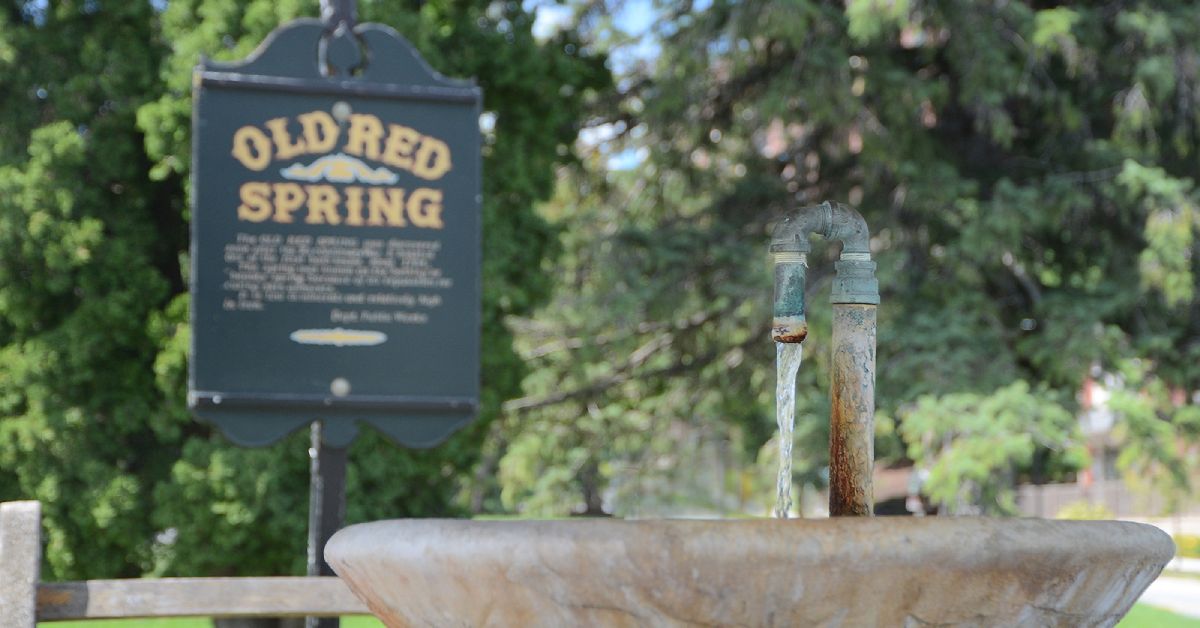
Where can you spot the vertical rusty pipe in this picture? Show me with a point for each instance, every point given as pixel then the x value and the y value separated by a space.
pixel 852 420
pixel 855 296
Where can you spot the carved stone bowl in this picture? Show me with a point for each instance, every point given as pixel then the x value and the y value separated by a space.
pixel 826 572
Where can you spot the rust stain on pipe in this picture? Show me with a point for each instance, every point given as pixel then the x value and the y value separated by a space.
pixel 789 329
pixel 852 429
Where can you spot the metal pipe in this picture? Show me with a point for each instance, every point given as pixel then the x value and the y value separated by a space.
pixel 833 221
pixel 852 417
pixel 855 297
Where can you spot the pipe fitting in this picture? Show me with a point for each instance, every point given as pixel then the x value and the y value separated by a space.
pixel 847 225
pixel 832 221
pixel 791 234
pixel 855 282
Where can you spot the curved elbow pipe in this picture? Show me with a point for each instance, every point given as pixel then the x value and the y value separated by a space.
pixel 855 281
pixel 847 225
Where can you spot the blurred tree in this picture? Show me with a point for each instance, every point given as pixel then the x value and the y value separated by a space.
pixel 1027 173
pixel 89 251
pixel 1157 435
pixel 972 444
pixel 94 158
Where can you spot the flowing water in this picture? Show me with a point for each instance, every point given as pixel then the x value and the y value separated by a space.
pixel 787 365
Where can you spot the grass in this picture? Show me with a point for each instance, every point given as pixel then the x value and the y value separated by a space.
pixel 1143 616
pixel 189 622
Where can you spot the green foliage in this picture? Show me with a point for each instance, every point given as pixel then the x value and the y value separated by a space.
pixel 973 444
pixel 94 160
pixel 84 262
pixel 1171 224
pixel 1052 30
pixel 1027 172
pixel 868 19
pixel 1156 435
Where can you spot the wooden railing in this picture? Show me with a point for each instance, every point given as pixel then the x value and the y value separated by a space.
pixel 24 600
pixel 1046 500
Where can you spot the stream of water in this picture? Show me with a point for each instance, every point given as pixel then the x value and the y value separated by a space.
pixel 787 365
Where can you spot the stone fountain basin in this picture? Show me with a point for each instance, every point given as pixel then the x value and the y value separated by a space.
pixel 824 572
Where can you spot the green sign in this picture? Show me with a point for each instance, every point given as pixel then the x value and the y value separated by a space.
pixel 335 240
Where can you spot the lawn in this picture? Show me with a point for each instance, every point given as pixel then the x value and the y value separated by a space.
pixel 1143 616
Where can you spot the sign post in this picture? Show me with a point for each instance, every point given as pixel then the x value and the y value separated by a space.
pixel 326 507
pixel 335 246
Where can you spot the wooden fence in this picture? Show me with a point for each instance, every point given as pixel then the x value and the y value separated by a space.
pixel 1046 500
pixel 25 600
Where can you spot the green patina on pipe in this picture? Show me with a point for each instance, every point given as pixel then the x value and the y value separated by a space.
pixel 855 282
pixel 789 324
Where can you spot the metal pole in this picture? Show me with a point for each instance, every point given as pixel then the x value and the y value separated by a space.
pixel 326 509
pixel 852 423
pixel 327 473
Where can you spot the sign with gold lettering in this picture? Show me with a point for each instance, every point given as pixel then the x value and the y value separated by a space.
pixel 335 240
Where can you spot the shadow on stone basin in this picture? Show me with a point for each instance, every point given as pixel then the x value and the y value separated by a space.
pixel 825 572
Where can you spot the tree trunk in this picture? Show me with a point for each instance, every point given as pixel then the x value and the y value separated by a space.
pixel 589 478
